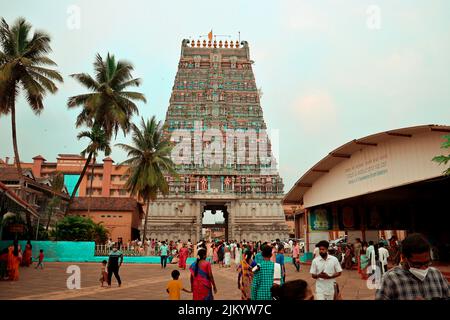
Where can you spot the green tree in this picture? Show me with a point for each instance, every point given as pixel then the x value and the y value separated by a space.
pixel 444 159
pixel 148 160
pixel 57 183
pixel 98 142
pixel 75 228
pixel 109 105
pixel 23 67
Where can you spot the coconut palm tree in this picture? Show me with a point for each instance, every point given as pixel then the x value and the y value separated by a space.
pixel 57 183
pixel 99 142
pixel 24 65
pixel 109 105
pixel 148 161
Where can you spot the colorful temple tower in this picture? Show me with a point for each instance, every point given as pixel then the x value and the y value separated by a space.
pixel 223 153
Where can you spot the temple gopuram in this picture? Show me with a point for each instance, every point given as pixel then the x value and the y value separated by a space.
pixel 222 151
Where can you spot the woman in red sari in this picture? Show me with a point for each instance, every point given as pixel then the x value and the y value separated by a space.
pixel 27 255
pixel 202 280
pixel 13 263
pixel 183 255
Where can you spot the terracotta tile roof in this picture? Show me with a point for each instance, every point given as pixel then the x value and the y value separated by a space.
pixel 106 204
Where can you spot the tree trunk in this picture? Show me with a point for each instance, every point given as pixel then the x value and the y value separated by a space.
pixel 145 222
pixel 17 160
pixel 90 192
pixel 50 215
pixel 78 182
pixel 14 137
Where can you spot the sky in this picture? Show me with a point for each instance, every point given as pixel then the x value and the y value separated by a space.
pixel 330 71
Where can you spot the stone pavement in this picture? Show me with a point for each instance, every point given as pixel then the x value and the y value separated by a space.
pixel 146 282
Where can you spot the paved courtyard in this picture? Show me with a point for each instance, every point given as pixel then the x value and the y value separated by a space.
pixel 145 282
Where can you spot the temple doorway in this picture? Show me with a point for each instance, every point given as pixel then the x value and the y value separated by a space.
pixel 215 222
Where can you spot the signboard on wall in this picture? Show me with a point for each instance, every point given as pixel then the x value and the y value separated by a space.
pixel 321 219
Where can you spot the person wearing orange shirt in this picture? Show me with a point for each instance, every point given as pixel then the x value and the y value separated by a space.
pixel 175 286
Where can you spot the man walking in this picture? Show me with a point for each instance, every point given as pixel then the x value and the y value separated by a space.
pixel 325 269
pixel 263 278
pixel 414 279
pixel 384 255
pixel 164 249
pixel 114 263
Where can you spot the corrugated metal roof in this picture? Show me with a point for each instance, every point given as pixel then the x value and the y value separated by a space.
pixel 295 195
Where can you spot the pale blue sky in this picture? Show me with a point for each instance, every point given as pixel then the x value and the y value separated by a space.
pixel 326 76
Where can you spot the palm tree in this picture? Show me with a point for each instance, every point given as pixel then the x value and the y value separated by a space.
pixel 23 61
pixel 109 105
pixel 148 160
pixel 99 142
pixel 57 184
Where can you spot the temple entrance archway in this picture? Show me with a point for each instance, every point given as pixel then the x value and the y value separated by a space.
pixel 214 222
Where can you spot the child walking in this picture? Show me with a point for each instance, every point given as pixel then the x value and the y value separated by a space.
pixel 104 273
pixel 175 286
pixel 41 259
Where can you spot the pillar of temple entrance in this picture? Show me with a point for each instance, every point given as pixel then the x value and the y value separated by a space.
pixel 230 222
pixel 198 222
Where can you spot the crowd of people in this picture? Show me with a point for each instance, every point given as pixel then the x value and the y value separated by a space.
pixel 12 258
pixel 262 271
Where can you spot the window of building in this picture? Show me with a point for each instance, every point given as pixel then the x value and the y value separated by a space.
pixel 122 192
pixel 102 216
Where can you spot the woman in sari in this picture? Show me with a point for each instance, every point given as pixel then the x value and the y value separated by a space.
pixel 348 263
pixel 184 252
pixel 202 280
pixel 27 255
pixel 13 263
pixel 364 264
pixel 245 276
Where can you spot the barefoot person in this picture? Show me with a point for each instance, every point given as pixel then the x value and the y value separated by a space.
pixel 202 280
pixel 245 277
pixel 183 255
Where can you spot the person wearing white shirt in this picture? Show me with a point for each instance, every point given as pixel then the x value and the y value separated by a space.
pixel 384 255
pixel 325 269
